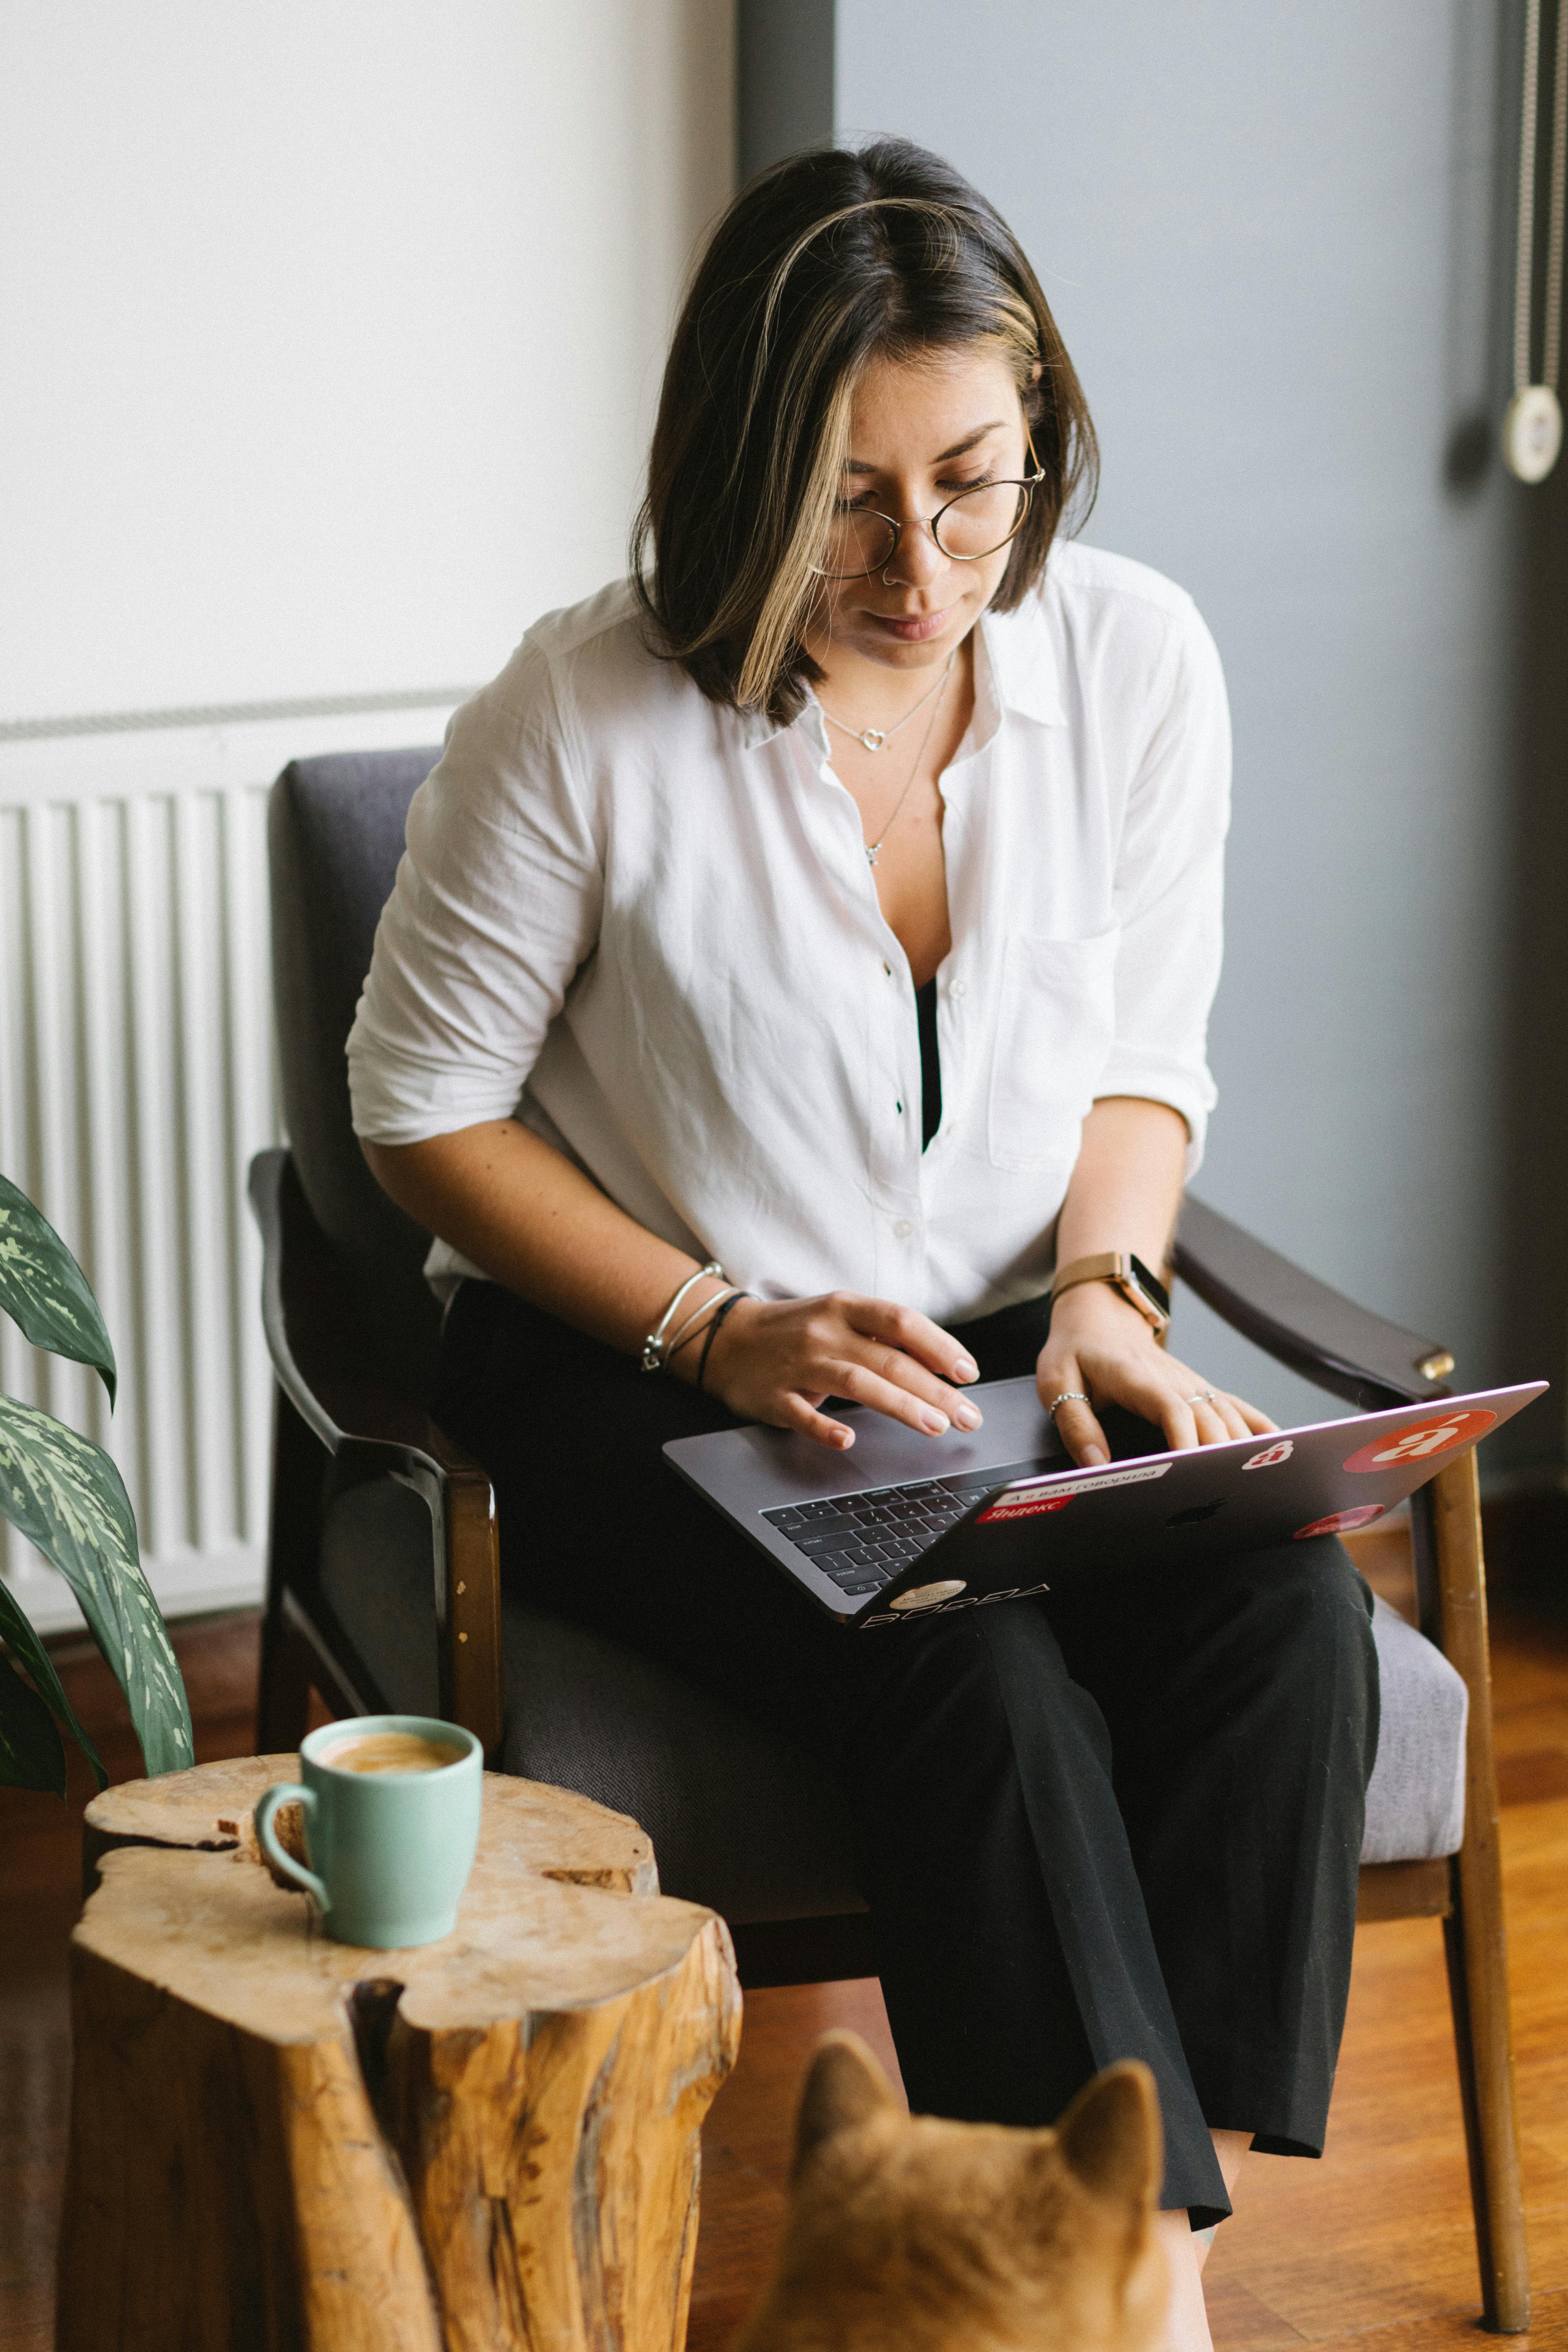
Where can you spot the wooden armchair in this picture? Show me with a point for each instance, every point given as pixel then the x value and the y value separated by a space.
pixel 384 1589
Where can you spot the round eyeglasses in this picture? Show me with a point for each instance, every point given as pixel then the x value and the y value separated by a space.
pixel 972 525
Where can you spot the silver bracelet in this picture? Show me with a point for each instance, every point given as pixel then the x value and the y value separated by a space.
pixel 655 1347
pixel 693 1323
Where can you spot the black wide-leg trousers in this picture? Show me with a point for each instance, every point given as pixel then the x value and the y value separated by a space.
pixel 1122 1819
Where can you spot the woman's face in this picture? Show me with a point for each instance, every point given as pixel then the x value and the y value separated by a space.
pixel 921 431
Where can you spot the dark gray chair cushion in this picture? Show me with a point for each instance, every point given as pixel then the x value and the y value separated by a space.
pixel 334 837
pixel 739 1821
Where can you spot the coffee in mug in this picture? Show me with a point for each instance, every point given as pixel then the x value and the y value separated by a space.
pixel 391 1751
pixel 392 1809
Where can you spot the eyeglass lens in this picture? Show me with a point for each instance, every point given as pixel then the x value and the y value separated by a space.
pixel 975 523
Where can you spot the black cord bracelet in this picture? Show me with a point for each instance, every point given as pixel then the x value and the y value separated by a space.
pixel 733 1300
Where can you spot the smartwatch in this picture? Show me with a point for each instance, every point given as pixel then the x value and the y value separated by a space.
pixel 1125 1273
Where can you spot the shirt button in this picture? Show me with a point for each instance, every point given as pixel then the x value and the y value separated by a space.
pixel 903 1229
pixel 959 988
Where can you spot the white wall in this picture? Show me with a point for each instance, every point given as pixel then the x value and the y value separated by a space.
pixel 329 338
pixel 329 331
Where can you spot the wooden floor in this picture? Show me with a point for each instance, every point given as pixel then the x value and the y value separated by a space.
pixel 1374 2243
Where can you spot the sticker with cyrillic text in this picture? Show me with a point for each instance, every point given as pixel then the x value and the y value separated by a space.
pixel 1270 1457
pixel 1422 1441
pixel 1032 1502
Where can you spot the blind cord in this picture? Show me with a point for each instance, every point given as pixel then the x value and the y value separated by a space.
pixel 1532 427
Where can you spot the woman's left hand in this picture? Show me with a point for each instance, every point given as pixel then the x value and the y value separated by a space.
pixel 1101 1345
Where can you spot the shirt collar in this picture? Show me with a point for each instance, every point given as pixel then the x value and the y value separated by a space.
pixel 1023 670
pixel 1024 663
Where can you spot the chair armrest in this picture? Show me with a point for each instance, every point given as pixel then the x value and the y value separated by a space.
pixel 324 1366
pixel 1300 1321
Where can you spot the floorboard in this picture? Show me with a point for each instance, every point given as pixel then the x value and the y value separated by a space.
pixel 1374 2243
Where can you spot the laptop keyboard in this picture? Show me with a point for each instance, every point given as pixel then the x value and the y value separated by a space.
pixel 863 1541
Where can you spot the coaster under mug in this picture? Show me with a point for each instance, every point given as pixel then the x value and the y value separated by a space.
pixel 391 1830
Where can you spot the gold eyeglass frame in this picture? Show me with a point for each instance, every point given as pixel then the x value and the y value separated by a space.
pixel 1029 484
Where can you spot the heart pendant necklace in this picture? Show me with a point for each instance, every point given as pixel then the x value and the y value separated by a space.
pixel 873 847
pixel 873 737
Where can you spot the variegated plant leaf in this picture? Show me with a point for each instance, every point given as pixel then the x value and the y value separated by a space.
pixel 45 1291
pixel 31 1756
pixel 67 1496
pixel 31 1654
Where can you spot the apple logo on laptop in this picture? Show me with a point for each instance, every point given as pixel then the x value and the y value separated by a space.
pixel 1199 1511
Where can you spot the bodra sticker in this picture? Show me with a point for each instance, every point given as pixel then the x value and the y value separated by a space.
pixel 1341 1523
pixel 1270 1457
pixel 1422 1441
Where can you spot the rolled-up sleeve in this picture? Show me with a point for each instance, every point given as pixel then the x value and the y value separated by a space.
pixel 1169 891
pixel 496 905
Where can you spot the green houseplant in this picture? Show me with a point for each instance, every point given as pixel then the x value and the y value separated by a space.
pixel 67 1496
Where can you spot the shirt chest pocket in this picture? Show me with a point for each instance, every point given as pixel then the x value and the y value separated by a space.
pixel 1055 1029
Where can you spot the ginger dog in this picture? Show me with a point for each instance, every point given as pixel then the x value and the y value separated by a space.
pixel 908 2234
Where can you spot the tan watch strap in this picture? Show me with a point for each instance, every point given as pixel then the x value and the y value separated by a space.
pixel 1118 1267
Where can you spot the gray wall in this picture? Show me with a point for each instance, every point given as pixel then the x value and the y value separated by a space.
pixel 1278 241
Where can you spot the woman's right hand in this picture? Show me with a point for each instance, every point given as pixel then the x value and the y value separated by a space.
pixel 777 1361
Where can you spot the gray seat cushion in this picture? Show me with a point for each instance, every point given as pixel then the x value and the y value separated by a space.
pixel 1415 1803
pixel 741 1821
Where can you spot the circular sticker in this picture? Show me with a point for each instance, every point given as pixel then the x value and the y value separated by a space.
pixel 927 1596
pixel 1339 1523
pixel 1422 1441
pixel 1270 1456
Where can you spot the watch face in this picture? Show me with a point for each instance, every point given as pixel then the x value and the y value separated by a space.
pixel 1158 1294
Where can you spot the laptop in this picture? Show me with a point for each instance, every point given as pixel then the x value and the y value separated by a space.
pixel 908 1526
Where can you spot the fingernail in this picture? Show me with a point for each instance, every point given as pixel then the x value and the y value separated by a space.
pixel 965 1370
pixel 843 1438
pixel 935 1422
pixel 966 1416
pixel 1093 1455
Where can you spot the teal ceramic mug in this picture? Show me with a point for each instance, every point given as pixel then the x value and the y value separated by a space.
pixel 392 1818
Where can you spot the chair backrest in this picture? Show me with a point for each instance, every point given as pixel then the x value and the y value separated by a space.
pixel 334 836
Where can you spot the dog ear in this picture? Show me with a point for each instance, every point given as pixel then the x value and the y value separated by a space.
pixel 845 2087
pixel 1110 2136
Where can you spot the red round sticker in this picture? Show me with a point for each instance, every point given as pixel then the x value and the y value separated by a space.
pixel 1422 1442
pixel 1339 1523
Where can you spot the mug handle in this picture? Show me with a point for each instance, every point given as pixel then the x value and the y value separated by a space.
pixel 288 1792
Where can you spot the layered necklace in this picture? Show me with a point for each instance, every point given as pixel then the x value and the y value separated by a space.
pixel 873 737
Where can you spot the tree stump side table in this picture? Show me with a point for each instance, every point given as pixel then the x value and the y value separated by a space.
pixel 283 2144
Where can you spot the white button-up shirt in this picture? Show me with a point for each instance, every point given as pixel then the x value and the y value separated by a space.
pixel 646 927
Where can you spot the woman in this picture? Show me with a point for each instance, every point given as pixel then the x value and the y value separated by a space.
pixel 840 902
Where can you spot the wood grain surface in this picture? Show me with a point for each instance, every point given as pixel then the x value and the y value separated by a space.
pixel 1372 2244
pixel 278 2139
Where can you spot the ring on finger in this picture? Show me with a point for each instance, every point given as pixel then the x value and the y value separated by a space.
pixel 1068 1396
pixel 1204 1396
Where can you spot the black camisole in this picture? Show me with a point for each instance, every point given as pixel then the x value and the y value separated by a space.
pixel 931 1063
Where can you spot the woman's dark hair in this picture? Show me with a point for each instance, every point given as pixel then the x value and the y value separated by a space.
pixel 827 262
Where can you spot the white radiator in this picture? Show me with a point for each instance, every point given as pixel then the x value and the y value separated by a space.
pixel 136 1080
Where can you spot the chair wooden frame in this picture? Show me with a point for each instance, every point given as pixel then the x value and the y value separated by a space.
pixel 338 1424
